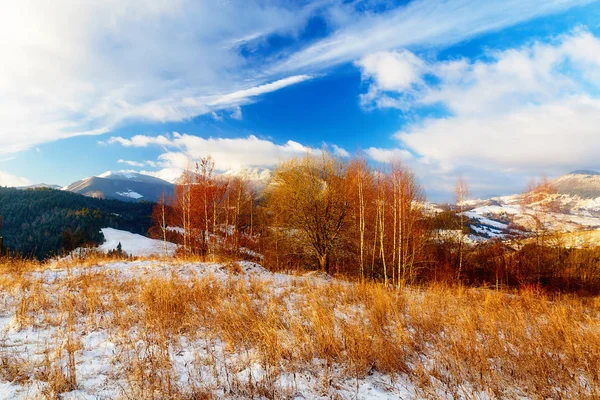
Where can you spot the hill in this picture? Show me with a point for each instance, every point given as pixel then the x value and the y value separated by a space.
pixel 124 186
pixel 39 186
pixel 42 222
pixel 585 184
pixel 574 207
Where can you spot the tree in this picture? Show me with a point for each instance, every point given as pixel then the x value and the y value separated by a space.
pixel 409 232
pixel 1 239
pixel 461 192
pixel 160 220
pixel 360 181
pixel 537 203
pixel 182 203
pixel 308 196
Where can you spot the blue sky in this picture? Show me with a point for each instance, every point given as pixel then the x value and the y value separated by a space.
pixel 496 91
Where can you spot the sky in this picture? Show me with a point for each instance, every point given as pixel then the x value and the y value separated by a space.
pixel 496 91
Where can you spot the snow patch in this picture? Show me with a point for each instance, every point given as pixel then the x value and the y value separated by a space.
pixel 131 194
pixel 134 244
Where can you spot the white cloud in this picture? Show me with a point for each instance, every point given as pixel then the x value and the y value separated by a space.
pixel 10 180
pixel 132 163
pixel 243 96
pixel 83 68
pixel 528 110
pixel 183 149
pixel 419 23
pixel 216 116
pixel 236 113
pixel 340 152
pixel 396 70
pixel 141 140
pixel 388 155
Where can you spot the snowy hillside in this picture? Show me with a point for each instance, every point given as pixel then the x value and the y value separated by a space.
pixel 499 217
pixel 134 244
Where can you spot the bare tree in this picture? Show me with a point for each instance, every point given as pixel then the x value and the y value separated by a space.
pixel 160 222
pixel 183 205
pixel 537 203
pixel 461 192
pixel 360 178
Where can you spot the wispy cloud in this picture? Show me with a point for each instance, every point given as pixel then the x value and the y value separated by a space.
pixel 132 163
pixel 83 68
pixel 417 24
pixel 242 96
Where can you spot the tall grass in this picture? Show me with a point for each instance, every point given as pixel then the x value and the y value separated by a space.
pixel 255 338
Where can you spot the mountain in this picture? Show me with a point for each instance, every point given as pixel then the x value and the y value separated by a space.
pixel 582 183
pixel 258 177
pixel 574 207
pixel 122 185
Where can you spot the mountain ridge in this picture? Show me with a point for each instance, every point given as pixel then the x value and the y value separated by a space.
pixel 122 185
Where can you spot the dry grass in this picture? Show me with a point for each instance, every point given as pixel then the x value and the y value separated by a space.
pixel 254 338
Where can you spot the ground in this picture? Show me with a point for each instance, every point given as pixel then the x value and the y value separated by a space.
pixel 165 328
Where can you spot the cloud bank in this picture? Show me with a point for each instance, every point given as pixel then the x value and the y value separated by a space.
pixel 529 110
pixel 182 150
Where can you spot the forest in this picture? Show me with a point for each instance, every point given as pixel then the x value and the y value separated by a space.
pixel 45 222
pixel 340 216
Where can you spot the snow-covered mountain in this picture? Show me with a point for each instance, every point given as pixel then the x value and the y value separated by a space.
pixel 122 185
pixel 575 207
pixel 259 177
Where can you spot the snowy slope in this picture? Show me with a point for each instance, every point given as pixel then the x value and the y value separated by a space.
pixel 134 244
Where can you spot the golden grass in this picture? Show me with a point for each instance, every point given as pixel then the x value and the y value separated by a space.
pixel 444 341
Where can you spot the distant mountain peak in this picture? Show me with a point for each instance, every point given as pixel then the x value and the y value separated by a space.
pixel 251 173
pixel 130 176
pixel 583 172
pixel 117 174
pixel 122 185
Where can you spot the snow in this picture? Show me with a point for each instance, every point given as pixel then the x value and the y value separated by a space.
pixel 101 353
pixel 486 221
pixel 131 194
pixel 119 174
pixel 134 244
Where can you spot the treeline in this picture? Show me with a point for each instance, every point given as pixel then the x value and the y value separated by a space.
pixel 343 216
pixel 45 222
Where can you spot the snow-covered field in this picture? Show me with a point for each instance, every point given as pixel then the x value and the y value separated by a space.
pixel 134 244
pixel 156 329
pixel 103 353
